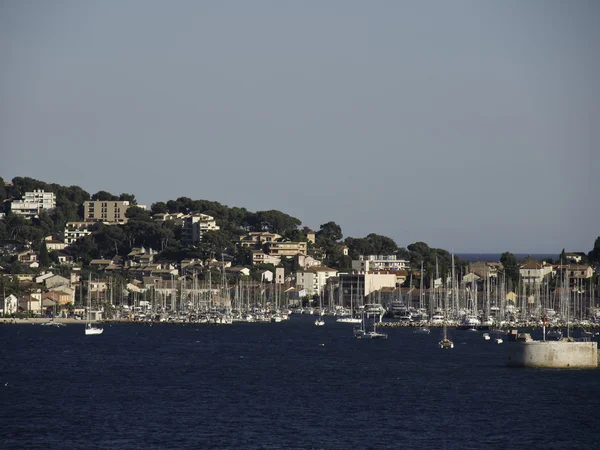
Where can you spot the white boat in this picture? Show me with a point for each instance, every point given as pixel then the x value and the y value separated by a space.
pixel 348 319
pixel 422 330
pixel 374 335
pixel 91 329
pixel 498 340
pixel 52 323
pixel 486 336
pixel 374 310
pixel 446 343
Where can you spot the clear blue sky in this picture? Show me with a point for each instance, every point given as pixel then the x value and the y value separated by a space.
pixel 471 125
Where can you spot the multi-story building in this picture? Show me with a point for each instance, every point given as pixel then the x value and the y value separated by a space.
pixel 485 269
pixel 574 274
pixel 286 248
pixel 356 286
pixel 535 272
pixel 379 262
pixel 194 226
pixel 314 280
pixel 76 230
pixel 112 211
pixel 260 257
pixel 256 239
pixel 33 202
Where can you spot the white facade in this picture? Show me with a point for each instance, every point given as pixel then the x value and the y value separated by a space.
pixel 379 262
pixel 76 230
pixel 195 225
pixel 10 305
pixel 33 202
pixel 534 273
pixel 314 280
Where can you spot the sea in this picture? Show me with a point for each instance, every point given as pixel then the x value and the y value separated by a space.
pixel 495 257
pixel 287 385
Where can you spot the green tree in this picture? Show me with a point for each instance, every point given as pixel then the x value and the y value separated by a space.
pixel 275 222
pixel 159 207
pixel 128 198
pixel 44 255
pixel 594 254
pixel 139 214
pixel 329 232
pixel 511 267
pixel 243 257
pixel 104 196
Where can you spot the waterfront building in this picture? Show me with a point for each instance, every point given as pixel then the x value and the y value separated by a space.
pixel 379 262
pixel 360 285
pixel 533 273
pixel 574 274
pixel 314 280
pixel 33 202
pixel 484 269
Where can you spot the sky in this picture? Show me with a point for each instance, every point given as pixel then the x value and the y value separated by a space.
pixel 472 126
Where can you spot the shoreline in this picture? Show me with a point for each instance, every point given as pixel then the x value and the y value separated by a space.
pixel 392 324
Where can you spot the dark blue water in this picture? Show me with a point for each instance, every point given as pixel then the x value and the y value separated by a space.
pixel 495 257
pixel 279 386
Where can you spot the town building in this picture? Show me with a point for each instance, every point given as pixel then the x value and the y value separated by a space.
pixel 314 280
pixel 535 272
pixel 76 230
pixel 286 248
pixel 112 211
pixel 357 286
pixel 33 202
pixel 379 262
pixel 256 239
pixel 574 275
pixel 194 226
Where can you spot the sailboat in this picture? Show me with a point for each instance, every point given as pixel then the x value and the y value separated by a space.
pixel 349 318
pixel 89 328
pixel 374 334
pixel 319 320
pixel 446 343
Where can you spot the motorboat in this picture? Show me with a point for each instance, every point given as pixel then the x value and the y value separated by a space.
pixel 91 329
pixel 486 336
pixel 446 344
pixel 374 335
pixel 422 330
pixel 348 319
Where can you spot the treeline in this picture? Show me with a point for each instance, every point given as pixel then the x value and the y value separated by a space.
pixel 165 237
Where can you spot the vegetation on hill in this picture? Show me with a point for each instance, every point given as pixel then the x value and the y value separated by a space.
pixel 142 230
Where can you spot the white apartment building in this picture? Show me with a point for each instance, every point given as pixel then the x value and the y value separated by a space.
pixel 33 202
pixel 314 280
pixel 195 225
pixel 379 262
pixel 535 272
pixel 76 230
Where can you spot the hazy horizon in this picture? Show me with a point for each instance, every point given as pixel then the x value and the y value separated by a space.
pixel 467 125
